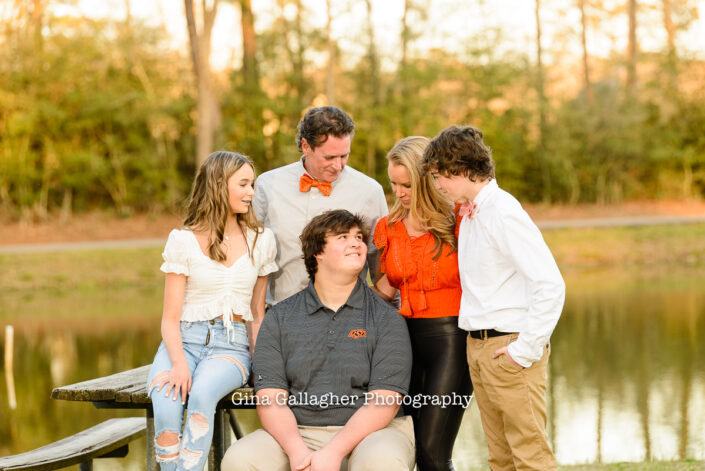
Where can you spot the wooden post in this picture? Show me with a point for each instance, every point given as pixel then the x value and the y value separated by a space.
pixel 9 371
pixel 235 425
pixel 227 440
pixel 218 445
pixel 152 464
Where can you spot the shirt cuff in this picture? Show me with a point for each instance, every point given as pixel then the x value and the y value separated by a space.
pixel 389 387
pixel 270 385
pixel 525 359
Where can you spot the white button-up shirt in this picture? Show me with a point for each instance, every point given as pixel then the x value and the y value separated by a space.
pixel 280 206
pixel 510 281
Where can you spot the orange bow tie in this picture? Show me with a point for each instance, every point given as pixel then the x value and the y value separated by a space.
pixel 467 209
pixel 307 182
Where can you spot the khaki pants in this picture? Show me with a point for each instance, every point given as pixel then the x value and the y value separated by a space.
pixel 512 406
pixel 389 449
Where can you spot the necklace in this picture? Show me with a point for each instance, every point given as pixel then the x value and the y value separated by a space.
pixel 227 237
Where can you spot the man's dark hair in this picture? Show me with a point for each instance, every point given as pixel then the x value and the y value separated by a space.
pixel 313 237
pixel 318 123
pixel 459 150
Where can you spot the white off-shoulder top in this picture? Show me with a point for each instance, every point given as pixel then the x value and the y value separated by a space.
pixel 212 288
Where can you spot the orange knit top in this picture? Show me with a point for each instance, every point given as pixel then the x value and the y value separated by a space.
pixel 428 288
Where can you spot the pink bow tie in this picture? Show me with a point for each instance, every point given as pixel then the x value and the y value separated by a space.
pixel 467 209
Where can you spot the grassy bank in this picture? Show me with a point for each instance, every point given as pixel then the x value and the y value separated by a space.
pixel 687 465
pixel 83 269
pixel 579 252
pixel 663 246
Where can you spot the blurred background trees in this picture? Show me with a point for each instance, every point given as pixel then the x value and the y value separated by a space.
pixel 106 113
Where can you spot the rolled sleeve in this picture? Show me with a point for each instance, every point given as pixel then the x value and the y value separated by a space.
pixel 375 215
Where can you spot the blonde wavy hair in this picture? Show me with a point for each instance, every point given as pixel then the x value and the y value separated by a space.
pixel 432 210
pixel 208 206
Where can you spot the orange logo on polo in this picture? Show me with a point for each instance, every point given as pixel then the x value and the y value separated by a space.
pixel 357 333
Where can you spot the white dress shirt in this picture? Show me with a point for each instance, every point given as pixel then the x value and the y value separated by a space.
pixel 510 281
pixel 280 206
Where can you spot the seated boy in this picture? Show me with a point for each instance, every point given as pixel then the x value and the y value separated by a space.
pixel 331 366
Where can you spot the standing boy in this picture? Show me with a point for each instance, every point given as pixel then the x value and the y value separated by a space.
pixel 512 298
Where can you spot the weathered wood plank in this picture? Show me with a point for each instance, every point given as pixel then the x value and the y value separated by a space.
pixel 129 387
pixel 136 394
pixel 102 389
pixel 83 446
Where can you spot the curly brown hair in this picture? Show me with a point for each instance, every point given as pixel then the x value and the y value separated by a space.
pixel 334 222
pixel 319 123
pixel 459 150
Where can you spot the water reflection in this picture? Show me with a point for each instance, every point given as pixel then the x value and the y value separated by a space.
pixel 65 337
pixel 627 372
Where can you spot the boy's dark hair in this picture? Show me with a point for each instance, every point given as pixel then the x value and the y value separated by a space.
pixel 313 237
pixel 459 150
pixel 318 123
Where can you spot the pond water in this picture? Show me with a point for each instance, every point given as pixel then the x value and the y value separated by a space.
pixel 626 379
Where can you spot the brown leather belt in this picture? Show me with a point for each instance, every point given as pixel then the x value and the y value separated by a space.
pixel 236 318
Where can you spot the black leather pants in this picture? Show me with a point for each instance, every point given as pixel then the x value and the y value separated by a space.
pixel 440 368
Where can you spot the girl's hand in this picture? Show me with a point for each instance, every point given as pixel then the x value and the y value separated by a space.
pixel 179 378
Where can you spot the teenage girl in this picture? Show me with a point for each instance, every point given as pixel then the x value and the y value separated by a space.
pixel 216 280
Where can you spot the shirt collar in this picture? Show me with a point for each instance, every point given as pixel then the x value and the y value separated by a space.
pixel 485 192
pixel 300 169
pixel 313 302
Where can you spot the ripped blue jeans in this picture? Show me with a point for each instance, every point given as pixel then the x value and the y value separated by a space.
pixel 218 365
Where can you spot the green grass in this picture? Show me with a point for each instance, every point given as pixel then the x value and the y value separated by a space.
pixel 615 252
pixel 83 270
pixel 687 465
pixel 670 246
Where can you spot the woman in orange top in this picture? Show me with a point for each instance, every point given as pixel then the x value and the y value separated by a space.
pixel 417 245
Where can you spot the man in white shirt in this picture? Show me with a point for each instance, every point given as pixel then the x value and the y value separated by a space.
pixel 287 198
pixel 512 298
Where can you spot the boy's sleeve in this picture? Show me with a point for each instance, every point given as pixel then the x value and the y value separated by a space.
pixel 268 362
pixel 391 360
pixel 519 239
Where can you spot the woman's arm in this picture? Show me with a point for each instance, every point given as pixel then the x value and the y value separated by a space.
pixel 384 289
pixel 259 293
pixel 179 377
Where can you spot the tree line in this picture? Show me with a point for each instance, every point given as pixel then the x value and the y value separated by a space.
pixel 101 113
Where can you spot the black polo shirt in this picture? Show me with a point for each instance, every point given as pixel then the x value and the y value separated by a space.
pixel 328 360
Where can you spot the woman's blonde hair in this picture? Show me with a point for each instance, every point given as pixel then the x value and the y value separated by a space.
pixel 429 207
pixel 208 205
